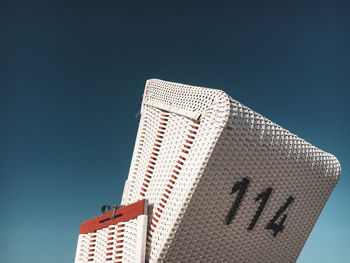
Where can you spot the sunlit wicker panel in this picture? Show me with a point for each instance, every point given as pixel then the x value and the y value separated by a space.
pixel 276 165
pixel 141 167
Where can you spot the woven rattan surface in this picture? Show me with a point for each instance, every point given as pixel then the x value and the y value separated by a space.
pixel 225 183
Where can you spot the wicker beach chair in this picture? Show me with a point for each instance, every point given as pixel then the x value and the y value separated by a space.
pixel 222 184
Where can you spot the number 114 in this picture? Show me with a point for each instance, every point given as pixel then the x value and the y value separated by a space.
pixel 241 188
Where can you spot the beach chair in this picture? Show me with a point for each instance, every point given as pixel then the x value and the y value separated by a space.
pixel 216 181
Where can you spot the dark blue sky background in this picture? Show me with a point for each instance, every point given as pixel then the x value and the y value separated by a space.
pixel 72 74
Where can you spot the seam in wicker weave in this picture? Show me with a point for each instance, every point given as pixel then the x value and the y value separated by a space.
pixel 155 152
pixel 110 243
pixel 92 244
pixel 119 244
pixel 190 136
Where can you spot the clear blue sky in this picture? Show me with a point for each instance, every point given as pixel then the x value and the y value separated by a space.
pixel 72 74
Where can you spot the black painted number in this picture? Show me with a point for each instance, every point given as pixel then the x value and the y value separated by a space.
pixel 241 187
pixel 278 227
pixel 264 196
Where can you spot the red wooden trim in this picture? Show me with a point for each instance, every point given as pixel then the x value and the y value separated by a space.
pixel 128 212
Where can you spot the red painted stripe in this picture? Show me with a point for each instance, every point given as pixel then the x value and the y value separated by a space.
pixel 128 212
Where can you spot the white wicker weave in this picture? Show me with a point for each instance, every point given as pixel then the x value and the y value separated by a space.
pixel 226 184
pixel 115 239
